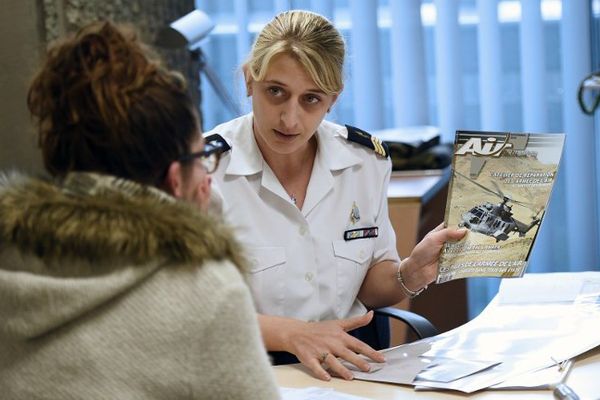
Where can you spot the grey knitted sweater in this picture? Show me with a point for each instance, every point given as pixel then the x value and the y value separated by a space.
pixel 112 290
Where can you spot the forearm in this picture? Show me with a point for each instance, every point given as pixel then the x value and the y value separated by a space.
pixel 381 287
pixel 275 331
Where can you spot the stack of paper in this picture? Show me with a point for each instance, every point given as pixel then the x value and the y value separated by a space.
pixel 532 324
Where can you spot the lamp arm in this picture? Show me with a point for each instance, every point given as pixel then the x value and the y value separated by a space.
pixel 216 84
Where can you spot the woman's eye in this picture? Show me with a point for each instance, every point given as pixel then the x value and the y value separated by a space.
pixel 275 91
pixel 311 99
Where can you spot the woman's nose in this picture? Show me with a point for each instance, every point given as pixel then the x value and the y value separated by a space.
pixel 290 116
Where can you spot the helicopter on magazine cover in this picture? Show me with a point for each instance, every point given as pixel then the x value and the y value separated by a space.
pixel 497 220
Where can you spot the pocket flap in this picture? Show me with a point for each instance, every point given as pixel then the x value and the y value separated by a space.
pixel 262 258
pixel 357 250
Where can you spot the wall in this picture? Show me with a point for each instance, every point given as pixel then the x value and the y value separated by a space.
pixel 25 28
pixel 21 36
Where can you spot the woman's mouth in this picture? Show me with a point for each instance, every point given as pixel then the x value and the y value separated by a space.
pixel 285 135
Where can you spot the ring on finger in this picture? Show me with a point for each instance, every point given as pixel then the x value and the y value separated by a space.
pixel 323 357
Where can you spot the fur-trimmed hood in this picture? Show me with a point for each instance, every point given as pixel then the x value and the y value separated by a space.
pixel 67 248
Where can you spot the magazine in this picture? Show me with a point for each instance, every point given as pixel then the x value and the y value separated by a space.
pixel 499 190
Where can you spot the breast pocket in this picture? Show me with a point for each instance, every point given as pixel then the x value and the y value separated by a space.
pixel 353 259
pixel 266 278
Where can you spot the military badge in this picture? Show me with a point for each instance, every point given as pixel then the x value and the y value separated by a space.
pixel 354 214
pixel 362 233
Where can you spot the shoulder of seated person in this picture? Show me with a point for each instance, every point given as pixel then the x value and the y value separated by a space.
pixel 215 137
pixel 360 137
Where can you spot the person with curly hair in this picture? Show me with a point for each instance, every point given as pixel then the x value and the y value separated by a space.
pixel 115 282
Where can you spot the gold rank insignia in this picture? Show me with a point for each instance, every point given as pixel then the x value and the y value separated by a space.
pixel 354 214
pixel 378 146
pixel 363 138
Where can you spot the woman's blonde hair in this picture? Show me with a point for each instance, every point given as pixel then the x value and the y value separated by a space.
pixel 308 37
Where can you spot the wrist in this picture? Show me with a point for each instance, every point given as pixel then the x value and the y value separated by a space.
pixel 278 332
pixel 407 282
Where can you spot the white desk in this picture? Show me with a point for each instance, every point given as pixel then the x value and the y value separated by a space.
pixel 584 379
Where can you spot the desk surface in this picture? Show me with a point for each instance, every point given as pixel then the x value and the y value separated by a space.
pixel 584 379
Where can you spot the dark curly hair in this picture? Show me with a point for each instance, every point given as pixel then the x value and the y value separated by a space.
pixel 104 103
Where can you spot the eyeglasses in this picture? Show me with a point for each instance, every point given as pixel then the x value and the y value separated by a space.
pixel 209 156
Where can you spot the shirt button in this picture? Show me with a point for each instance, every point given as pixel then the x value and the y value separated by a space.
pixel 361 254
pixel 254 262
pixel 308 276
pixel 302 230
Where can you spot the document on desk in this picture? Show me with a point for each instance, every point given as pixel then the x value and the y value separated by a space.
pixel 315 393
pixel 545 378
pixel 531 324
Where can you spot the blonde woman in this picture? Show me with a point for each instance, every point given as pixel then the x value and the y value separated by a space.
pixel 308 199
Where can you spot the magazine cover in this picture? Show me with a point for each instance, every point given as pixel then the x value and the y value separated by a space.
pixel 499 190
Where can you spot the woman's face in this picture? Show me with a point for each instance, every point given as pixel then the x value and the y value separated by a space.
pixel 288 106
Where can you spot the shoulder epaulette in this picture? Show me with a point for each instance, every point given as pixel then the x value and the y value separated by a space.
pixel 366 139
pixel 218 139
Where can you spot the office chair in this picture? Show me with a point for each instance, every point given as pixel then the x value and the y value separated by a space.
pixel 378 331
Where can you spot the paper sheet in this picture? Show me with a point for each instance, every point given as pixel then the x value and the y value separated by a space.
pixel 545 378
pixel 401 365
pixel 448 369
pixel 525 336
pixel 531 324
pixel 315 393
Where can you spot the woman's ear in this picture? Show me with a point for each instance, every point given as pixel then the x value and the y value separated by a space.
pixel 333 100
pixel 174 180
pixel 248 80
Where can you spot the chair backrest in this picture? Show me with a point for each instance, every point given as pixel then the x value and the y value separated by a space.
pixel 377 333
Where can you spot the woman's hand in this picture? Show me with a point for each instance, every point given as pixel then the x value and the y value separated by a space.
pixel 421 267
pixel 381 288
pixel 318 344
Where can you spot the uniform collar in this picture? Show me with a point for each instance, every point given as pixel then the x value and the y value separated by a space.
pixel 333 153
pixel 246 158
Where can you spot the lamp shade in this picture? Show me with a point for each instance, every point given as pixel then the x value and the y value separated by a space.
pixel 188 31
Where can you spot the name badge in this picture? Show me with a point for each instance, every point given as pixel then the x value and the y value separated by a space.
pixel 361 233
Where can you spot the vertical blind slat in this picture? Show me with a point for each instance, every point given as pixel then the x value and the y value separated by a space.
pixel 448 68
pixel 535 119
pixel 581 179
pixel 365 60
pixel 409 79
pixel 533 71
pixel 490 65
pixel 490 97
pixel 242 45
pixel 280 6
pixel 323 7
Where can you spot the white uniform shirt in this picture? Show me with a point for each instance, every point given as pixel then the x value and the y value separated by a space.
pixel 300 264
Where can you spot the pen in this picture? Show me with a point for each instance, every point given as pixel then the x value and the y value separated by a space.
pixel 562 391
